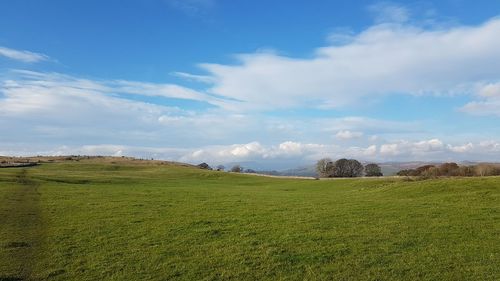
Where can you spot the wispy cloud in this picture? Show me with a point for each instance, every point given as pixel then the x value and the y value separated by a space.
pixel 488 101
pixel 41 80
pixel 58 108
pixel 192 77
pixel 22 55
pixel 389 12
pixel 347 135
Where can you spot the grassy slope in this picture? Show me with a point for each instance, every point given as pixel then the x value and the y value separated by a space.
pixel 93 221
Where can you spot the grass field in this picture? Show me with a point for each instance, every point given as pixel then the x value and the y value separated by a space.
pixel 91 220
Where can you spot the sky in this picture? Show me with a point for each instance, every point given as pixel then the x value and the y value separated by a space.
pixel 267 84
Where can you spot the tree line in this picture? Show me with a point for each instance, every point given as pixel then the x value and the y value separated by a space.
pixel 346 168
pixel 350 168
pixel 233 169
pixel 452 170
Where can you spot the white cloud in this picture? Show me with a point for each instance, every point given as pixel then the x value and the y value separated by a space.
pixel 112 86
pixel 67 99
pixel 21 55
pixel 461 148
pixel 428 145
pixel 253 151
pixel 491 90
pixel 390 149
pixel 483 108
pixel 163 90
pixel 35 92
pixel 488 103
pixel 425 150
pixel 51 108
pixel 291 148
pixel 406 148
pixel 354 126
pixel 55 108
pixel 370 151
pixel 437 150
pixel 384 59
pixel 192 77
pixel 490 145
pixel 245 150
pixel 288 154
pixel 347 135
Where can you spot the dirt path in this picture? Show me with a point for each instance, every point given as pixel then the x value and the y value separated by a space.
pixel 20 227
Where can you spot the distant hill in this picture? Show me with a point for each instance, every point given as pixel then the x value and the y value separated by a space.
pixel 306 171
pixel 267 168
pixel 12 160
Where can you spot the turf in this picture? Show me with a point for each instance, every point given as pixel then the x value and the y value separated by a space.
pixel 88 220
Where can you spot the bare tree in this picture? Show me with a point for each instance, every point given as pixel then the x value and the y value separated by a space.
pixel 325 168
pixel 484 169
pixel 466 171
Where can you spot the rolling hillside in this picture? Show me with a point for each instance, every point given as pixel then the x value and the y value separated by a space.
pixel 125 219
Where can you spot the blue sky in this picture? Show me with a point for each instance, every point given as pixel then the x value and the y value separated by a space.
pixel 276 84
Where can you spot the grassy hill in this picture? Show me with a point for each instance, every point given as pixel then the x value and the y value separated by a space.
pixel 121 219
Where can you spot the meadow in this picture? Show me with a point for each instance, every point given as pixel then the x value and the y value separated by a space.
pixel 126 220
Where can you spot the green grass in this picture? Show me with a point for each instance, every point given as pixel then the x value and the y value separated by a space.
pixel 101 221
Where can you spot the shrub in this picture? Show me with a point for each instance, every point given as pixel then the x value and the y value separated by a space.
pixel 466 171
pixel 236 169
pixel 406 172
pixel 204 166
pixel 420 170
pixel 429 173
pixel 449 169
pixel 416 172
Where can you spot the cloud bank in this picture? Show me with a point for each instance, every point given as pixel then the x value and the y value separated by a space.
pixel 288 154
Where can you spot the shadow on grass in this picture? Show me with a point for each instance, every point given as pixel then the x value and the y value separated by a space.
pixel 16 244
pixel 10 278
